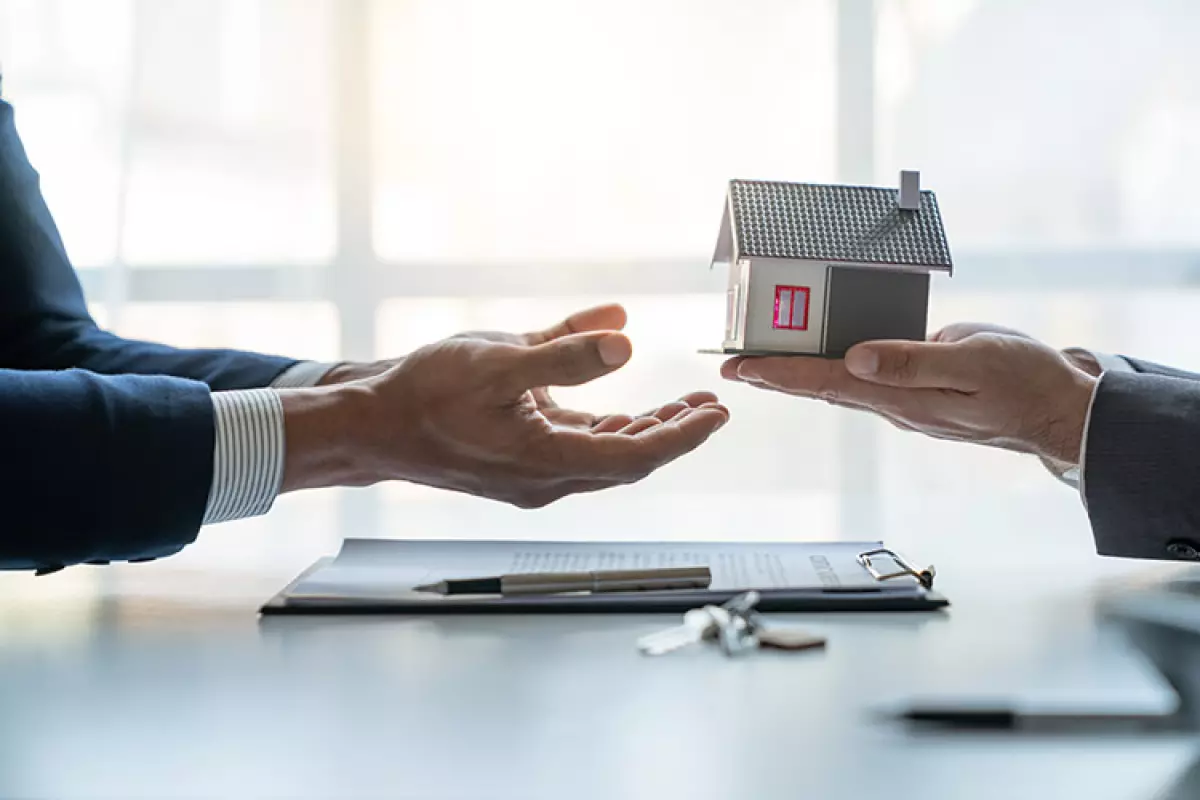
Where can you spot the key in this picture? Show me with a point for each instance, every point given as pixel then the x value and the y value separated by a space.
pixel 742 605
pixel 698 624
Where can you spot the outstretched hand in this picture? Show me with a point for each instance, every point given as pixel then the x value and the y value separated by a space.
pixel 473 413
pixel 970 382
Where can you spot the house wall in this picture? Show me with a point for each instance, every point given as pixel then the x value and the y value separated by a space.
pixel 870 303
pixel 765 275
pixel 736 270
pixel 735 304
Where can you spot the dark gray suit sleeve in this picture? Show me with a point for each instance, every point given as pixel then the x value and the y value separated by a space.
pixel 1141 476
pixel 1150 368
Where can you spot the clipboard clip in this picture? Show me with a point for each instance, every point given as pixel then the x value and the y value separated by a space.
pixel 924 576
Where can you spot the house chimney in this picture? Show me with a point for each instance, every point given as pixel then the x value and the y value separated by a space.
pixel 910 190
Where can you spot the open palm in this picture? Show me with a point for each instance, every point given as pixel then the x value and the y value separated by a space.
pixel 601 318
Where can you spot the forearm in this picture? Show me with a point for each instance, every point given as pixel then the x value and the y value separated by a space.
pixel 81 345
pixel 324 431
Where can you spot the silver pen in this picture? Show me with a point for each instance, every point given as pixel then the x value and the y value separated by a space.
pixel 618 580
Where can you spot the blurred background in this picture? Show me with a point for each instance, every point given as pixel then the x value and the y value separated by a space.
pixel 353 178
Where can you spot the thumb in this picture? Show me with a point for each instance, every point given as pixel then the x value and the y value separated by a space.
pixel 568 361
pixel 917 365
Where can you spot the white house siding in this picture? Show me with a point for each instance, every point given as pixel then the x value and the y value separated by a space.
pixel 765 275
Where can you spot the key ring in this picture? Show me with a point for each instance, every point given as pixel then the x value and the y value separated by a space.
pixel 737 634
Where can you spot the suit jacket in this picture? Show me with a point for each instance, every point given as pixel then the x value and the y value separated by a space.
pixel 1142 463
pixel 108 443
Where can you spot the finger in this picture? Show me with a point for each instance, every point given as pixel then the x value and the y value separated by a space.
pixel 573 419
pixel 699 398
pixel 608 317
pixel 638 425
pixel 612 423
pixel 921 365
pixel 683 433
pixel 569 361
pixel 541 396
pixel 729 369
pixel 690 400
pixel 664 413
pixel 808 376
pixel 828 380
pixel 716 407
pixel 629 458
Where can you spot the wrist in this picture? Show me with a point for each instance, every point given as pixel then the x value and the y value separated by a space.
pixel 323 437
pixel 1083 360
pixel 1064 435
pixel 342 372
pixel 349 371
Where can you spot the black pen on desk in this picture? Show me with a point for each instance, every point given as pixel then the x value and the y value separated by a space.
pixel 621 580
pixel 1009 719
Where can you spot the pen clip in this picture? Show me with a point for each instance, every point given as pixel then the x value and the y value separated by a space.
pixel 924 576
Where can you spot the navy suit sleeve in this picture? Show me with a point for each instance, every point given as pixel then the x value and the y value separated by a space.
pixel 98 468
pixel 44 322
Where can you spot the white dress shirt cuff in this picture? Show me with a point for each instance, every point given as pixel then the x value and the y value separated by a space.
pixel 248 457
pixel 305 373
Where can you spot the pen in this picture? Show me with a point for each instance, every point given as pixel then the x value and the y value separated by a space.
pixel 1008 719
pixel 621 580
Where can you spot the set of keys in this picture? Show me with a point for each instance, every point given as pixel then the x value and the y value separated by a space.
pixel 735 626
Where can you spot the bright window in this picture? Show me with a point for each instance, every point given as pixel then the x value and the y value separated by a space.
pixel 1037 141
pixel 178 131
pixel 586 132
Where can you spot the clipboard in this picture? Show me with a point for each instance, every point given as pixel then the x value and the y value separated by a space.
pixel 375 576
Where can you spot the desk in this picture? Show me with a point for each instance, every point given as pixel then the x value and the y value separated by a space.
pixel 161 681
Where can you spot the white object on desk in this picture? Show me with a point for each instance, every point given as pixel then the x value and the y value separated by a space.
pixel 803 575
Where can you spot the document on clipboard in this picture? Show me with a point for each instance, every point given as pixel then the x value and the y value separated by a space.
pixel 380 576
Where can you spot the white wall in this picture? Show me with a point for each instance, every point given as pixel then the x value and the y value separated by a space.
pixel 735 304
pixel 765 275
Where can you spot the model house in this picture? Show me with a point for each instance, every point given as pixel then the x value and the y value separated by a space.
pixel 815 268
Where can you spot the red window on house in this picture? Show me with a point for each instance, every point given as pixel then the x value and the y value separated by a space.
pixel 791 307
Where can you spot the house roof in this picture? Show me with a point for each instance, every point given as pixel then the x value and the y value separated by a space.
pixel 862 224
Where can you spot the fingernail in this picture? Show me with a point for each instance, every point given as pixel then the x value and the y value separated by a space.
pixel 862 361
pixel 614 350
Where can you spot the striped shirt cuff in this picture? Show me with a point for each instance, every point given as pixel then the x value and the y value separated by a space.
pixel 248 457
pixel 303 374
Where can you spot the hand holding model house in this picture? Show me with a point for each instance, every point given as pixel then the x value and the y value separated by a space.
pixel 828 297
